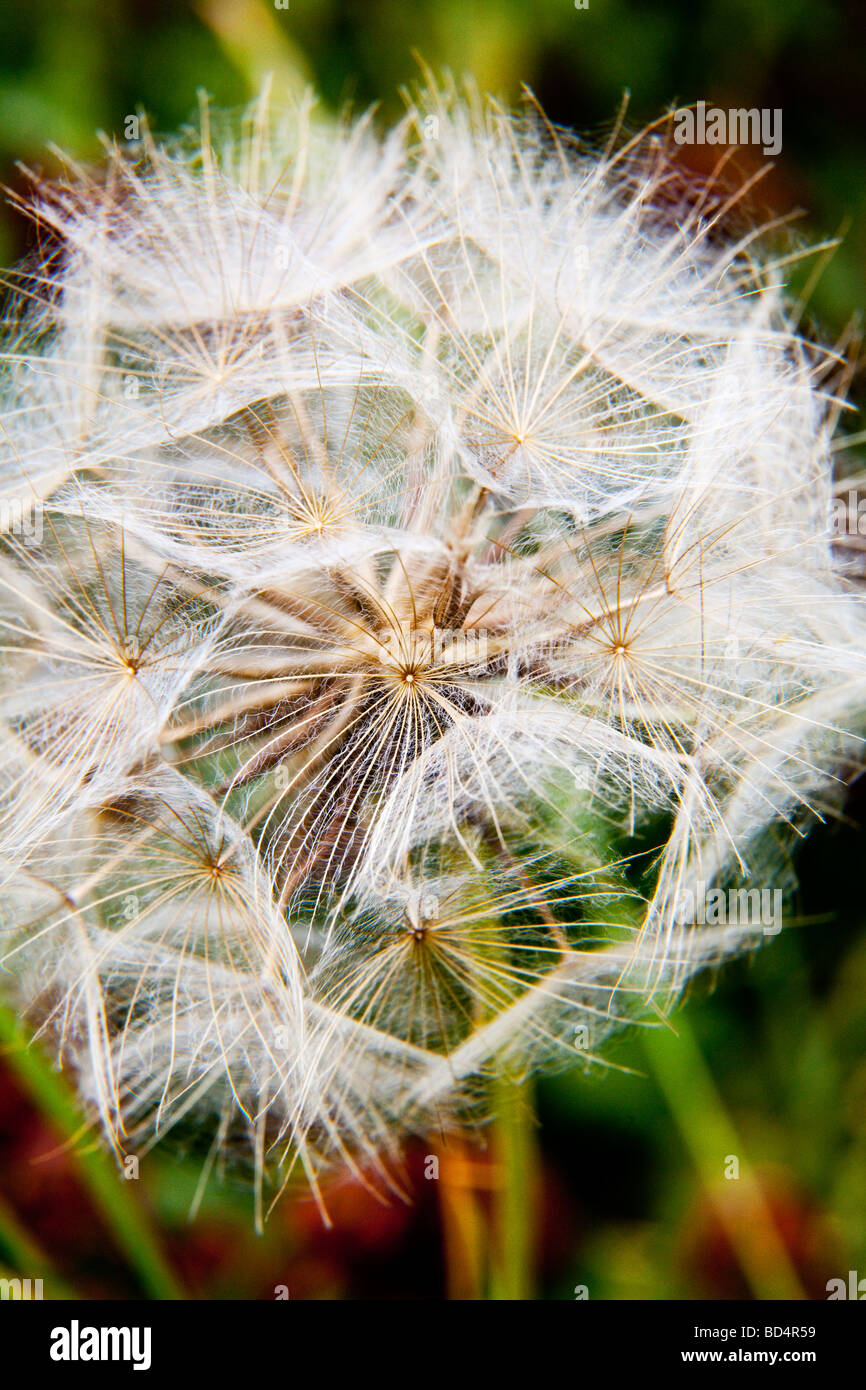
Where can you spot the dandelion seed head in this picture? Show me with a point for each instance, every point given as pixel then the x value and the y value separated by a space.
pixel 400 567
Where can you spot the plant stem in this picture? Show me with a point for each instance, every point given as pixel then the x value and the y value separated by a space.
pixel 515 1194
pixel 27 1256
pixel 110 1192
pixel 463 1223
pixel 712 1141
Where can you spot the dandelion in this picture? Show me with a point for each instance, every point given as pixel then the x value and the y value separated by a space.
pixel 402 574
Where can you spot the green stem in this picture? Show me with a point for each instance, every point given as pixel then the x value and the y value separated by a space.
pixel 26 1255
pixel 712 1141
pixel 512 1253
pixel 110 1192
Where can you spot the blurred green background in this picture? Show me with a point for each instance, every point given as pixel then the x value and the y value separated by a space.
pixel 619 1189
pixel 68 70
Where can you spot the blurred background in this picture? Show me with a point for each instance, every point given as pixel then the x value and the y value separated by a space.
pixel 728 1161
